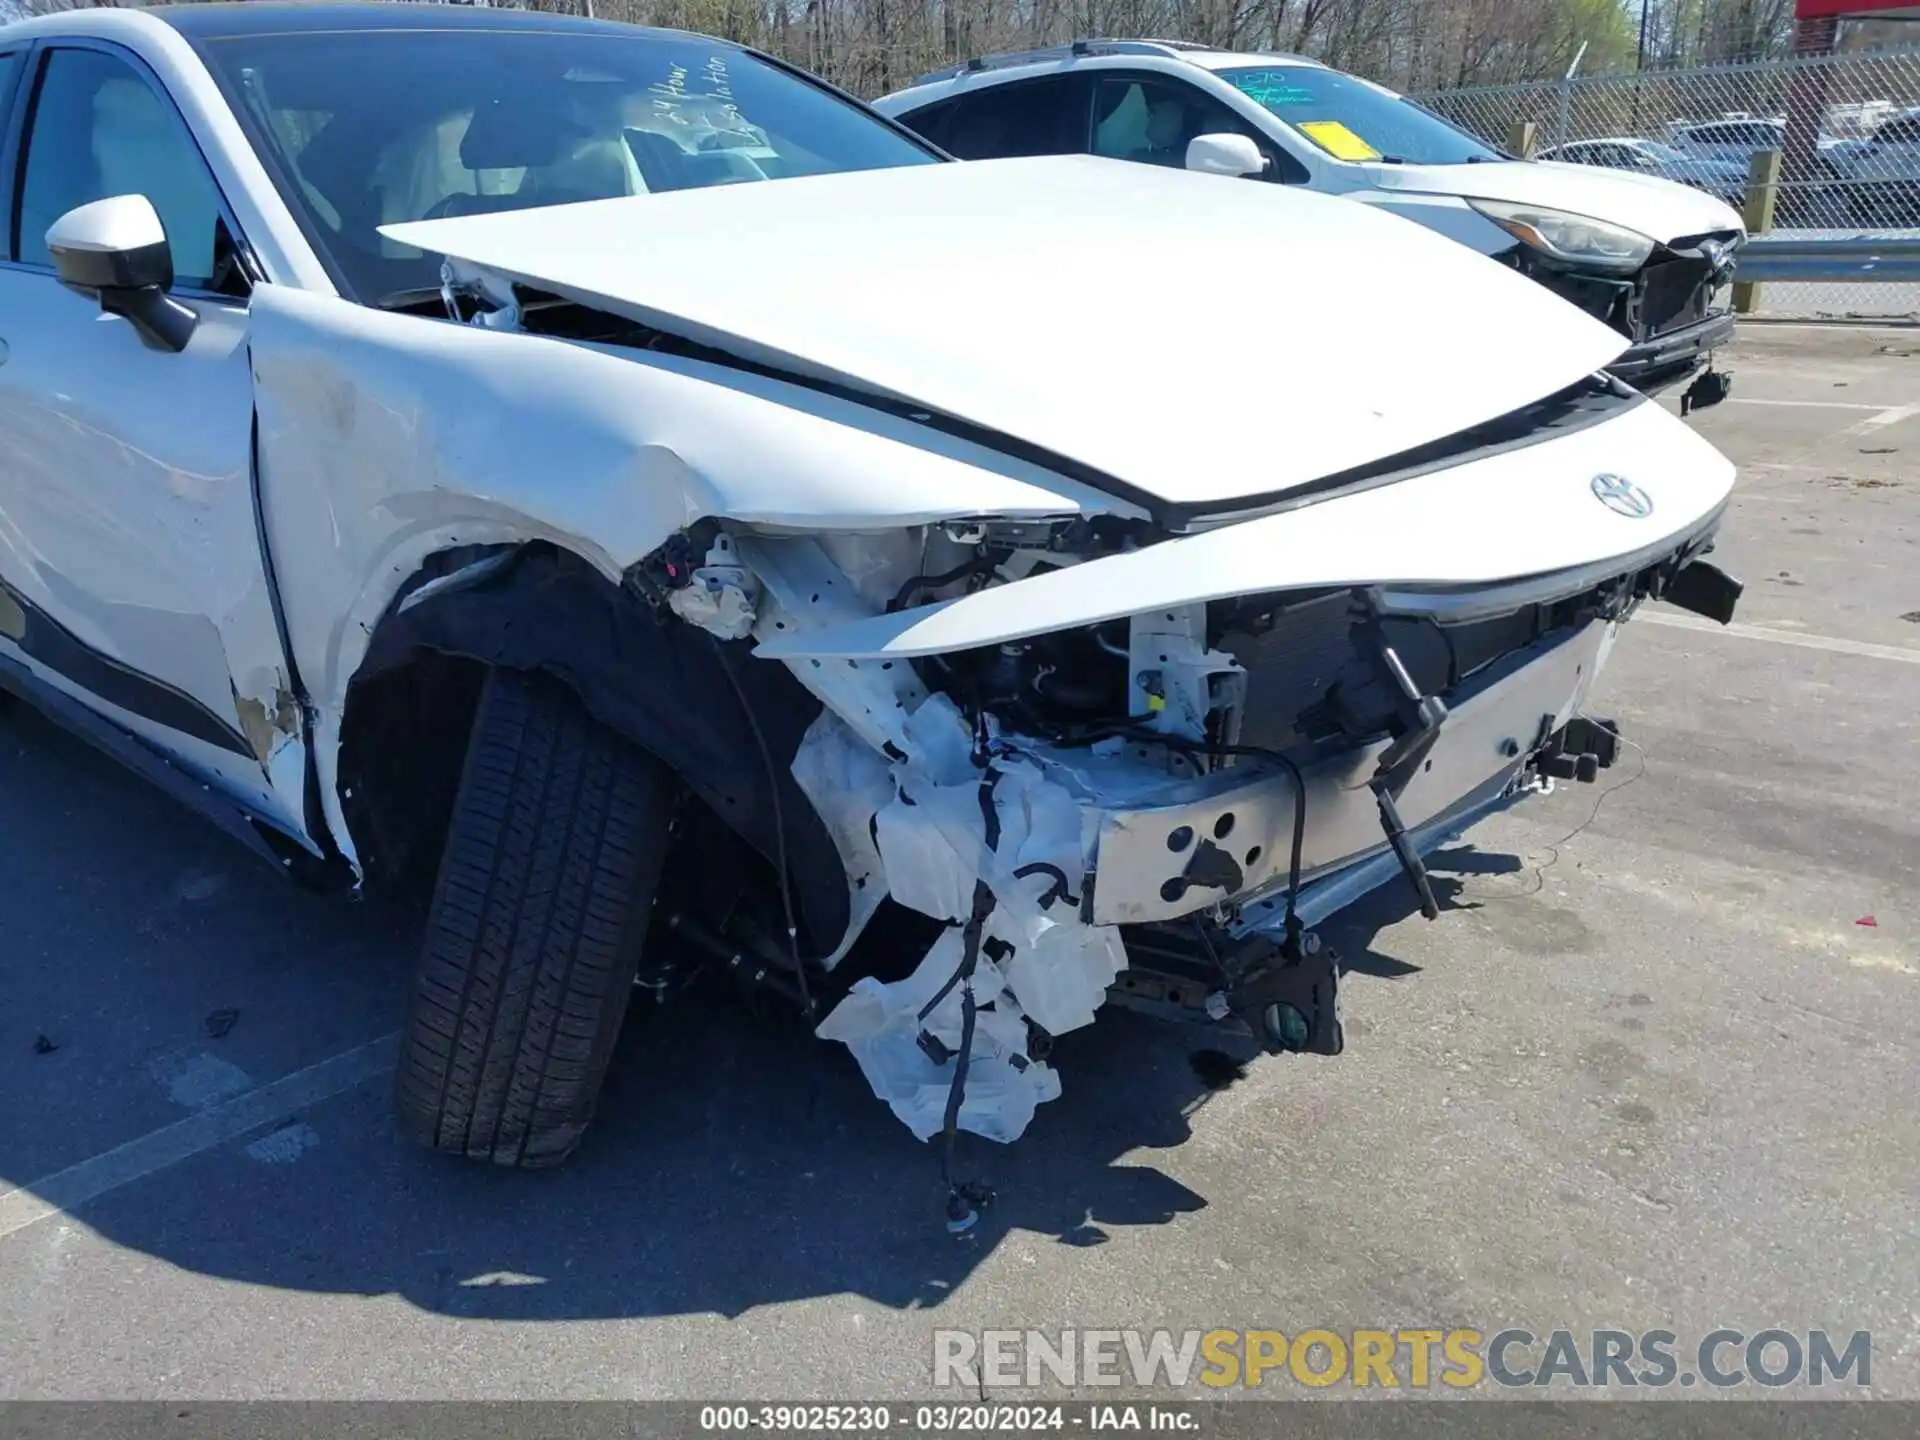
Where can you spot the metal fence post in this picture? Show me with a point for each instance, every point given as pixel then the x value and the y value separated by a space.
pixel 1763 185
pixel 1563 122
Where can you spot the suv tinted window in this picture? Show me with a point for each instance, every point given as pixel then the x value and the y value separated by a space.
pixel 1031 117
pixel 1899 132
pixel 931 121
pixel 100 129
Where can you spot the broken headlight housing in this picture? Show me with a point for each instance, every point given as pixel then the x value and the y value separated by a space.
pixel 1571 239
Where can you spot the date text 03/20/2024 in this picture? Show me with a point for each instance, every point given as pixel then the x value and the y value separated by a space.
pixel 946 1419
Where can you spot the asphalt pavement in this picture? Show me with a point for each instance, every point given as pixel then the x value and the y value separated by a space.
pixel 1654 1067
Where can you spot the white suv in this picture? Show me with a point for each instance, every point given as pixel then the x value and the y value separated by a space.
pixel 1647 255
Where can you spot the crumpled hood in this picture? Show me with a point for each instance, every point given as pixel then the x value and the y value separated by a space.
pixel 1200 343
pixel 1661 209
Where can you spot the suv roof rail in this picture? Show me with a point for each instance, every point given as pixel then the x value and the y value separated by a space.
pixel 1167 49
pixel 1073 50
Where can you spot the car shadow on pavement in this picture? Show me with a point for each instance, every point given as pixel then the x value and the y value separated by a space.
pixel 735 1162
pixel 1451 871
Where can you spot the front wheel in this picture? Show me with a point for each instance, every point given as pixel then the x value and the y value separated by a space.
pixel 554 847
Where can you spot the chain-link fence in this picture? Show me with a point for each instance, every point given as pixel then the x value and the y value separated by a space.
pixel 1846 129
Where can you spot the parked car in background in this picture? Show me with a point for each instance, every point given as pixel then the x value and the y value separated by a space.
pixel 1647 255
pixel 1840 187
pixel 664 508
pixel 1881 174
pixel 1722 178
pixel 1730 142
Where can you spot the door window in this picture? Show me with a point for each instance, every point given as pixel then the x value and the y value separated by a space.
pixel 100 129
pixel 1035 117
pixel 931 121
pixel 1150 120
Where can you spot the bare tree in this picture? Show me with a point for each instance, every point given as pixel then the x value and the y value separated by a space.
pixel 872 45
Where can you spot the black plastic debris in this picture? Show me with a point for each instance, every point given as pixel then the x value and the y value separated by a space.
pixel 1216 1069
pixel 45 1045
pixel 1709 389
pixel 221 1021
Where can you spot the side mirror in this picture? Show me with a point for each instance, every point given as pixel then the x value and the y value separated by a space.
pixel 116 249
pixel 1225 155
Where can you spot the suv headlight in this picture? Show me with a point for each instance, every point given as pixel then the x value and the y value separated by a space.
pixel 1573 239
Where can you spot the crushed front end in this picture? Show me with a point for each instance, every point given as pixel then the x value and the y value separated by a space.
pixel 1158 810
pixel 1104 799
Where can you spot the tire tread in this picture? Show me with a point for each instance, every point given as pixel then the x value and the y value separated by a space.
pixel 553 851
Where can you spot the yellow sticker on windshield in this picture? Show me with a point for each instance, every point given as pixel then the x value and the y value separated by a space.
pixel 1338 141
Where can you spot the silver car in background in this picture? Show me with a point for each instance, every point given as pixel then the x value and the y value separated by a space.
pixel 1726 179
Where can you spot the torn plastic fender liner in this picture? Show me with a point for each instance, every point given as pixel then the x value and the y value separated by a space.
pixel 847 782
pixel 881 1024
pixel 952 836
pixel 1527 512
pixel 653 679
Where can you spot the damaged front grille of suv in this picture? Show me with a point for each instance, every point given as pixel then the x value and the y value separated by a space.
pixel 1674 289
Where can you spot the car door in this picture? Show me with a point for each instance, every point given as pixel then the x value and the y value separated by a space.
pixel 130 551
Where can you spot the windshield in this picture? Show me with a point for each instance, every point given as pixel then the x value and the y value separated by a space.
pixel 1661 151
pixel 368 128
pixel 1352 120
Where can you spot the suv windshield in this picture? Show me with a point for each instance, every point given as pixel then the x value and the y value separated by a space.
pixel 369 128
pixel 1352 120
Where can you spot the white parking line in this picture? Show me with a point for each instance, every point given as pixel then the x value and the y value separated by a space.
pixel 74 1186
pixel 1806 404
pixel 1789 325
pixel 1782 637
pixel 1885 417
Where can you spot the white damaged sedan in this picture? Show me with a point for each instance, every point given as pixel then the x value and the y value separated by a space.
pixel 427 447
